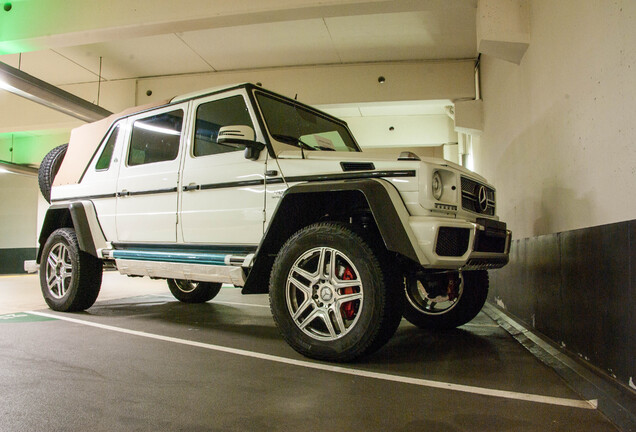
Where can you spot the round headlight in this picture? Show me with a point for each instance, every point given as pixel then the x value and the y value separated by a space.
pixel 438 186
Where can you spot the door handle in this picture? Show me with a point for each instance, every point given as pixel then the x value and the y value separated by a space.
pixel 124 193
pixel 271 173
pixel 191 187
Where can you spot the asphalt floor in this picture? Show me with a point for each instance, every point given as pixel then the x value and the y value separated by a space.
pixel 139 360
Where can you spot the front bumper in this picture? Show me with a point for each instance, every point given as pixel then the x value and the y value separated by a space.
pixel 461 245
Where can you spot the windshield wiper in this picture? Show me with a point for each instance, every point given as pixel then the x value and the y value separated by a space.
pixel 325 148
pixel 294 140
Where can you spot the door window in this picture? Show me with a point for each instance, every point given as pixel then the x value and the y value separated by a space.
pixel 156 138
pixel 103 163
pixel 211 116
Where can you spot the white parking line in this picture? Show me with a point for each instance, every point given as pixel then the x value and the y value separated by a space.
pixel 528 397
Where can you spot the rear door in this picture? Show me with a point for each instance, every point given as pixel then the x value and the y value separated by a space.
pixel 148 178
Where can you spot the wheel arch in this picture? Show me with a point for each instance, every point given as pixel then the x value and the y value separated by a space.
pixel 306 203
pixel 80 216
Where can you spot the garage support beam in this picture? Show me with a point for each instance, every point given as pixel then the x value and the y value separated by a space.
pixel 318 85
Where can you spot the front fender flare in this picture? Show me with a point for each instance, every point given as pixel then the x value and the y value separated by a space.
pixel 382 198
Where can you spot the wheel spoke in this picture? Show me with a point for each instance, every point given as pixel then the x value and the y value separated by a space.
pixel 52 261
pixel 332 267
pixel 340 284
pixel 302 308
pixel 63 285
pixel 311 277
pixel 50 277
pixel 321 263
pixel 298 284
pixel 346 298
pixel 340 326
pixel 58 287
pixel 312 316
pixel 326 317
pixel 64 256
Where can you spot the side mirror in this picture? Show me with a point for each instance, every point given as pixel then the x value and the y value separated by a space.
pixel 237 136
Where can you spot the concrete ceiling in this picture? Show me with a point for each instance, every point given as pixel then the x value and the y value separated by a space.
pixel 347 32
pixel 63 42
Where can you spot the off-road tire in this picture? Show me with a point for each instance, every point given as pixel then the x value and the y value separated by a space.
pixel 471 301
pixel 193 292
pixel 378 310
pixel 48 170
pixel 70 279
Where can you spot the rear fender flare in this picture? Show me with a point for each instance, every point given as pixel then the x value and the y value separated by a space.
pixel 79 215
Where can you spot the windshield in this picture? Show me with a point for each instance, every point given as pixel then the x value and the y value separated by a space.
pixel 296 125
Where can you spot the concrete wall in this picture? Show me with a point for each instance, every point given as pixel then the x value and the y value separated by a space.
pixel 559 144
pixel 559 128
pixel 18 220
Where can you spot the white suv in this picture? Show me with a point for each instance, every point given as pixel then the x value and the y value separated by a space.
pixel 242 186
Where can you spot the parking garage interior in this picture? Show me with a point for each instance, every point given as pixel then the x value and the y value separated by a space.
pixel 536 96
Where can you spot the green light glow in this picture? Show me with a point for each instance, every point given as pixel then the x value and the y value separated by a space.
pixel 25 20
pixel 30 147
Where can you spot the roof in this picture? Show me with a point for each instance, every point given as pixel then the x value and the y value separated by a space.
pixel 199 93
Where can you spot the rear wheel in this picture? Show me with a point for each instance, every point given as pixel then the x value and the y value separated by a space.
pixel 329 296
pixel 188 291
pixel 445 300
pixel 69 278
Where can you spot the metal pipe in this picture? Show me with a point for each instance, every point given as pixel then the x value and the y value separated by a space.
pixel 7 167
pixel 27 86
pixel 478 78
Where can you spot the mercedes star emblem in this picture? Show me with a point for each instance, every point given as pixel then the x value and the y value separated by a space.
pixel 483 199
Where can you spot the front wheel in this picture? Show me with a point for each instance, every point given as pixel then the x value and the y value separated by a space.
pixel 329 294
pixel 188 291
pixel 70 279
pixel 445 300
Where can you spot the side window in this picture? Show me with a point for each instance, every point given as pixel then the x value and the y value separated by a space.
pixel 103 163
pixel 156 138
pixel 211 116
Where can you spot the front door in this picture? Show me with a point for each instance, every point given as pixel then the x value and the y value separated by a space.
pixel 222 192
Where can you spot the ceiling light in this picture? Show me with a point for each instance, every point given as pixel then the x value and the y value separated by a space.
pixel 22 84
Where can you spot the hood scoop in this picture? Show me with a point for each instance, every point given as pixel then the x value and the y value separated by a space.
pixel 357 166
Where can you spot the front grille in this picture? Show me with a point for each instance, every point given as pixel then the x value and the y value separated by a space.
pixel 477 197
pixel 452 242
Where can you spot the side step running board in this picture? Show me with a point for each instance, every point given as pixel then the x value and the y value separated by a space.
pixel 204 267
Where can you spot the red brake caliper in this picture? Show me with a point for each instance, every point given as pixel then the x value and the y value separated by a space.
pixel 348 309
pixel 453 288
